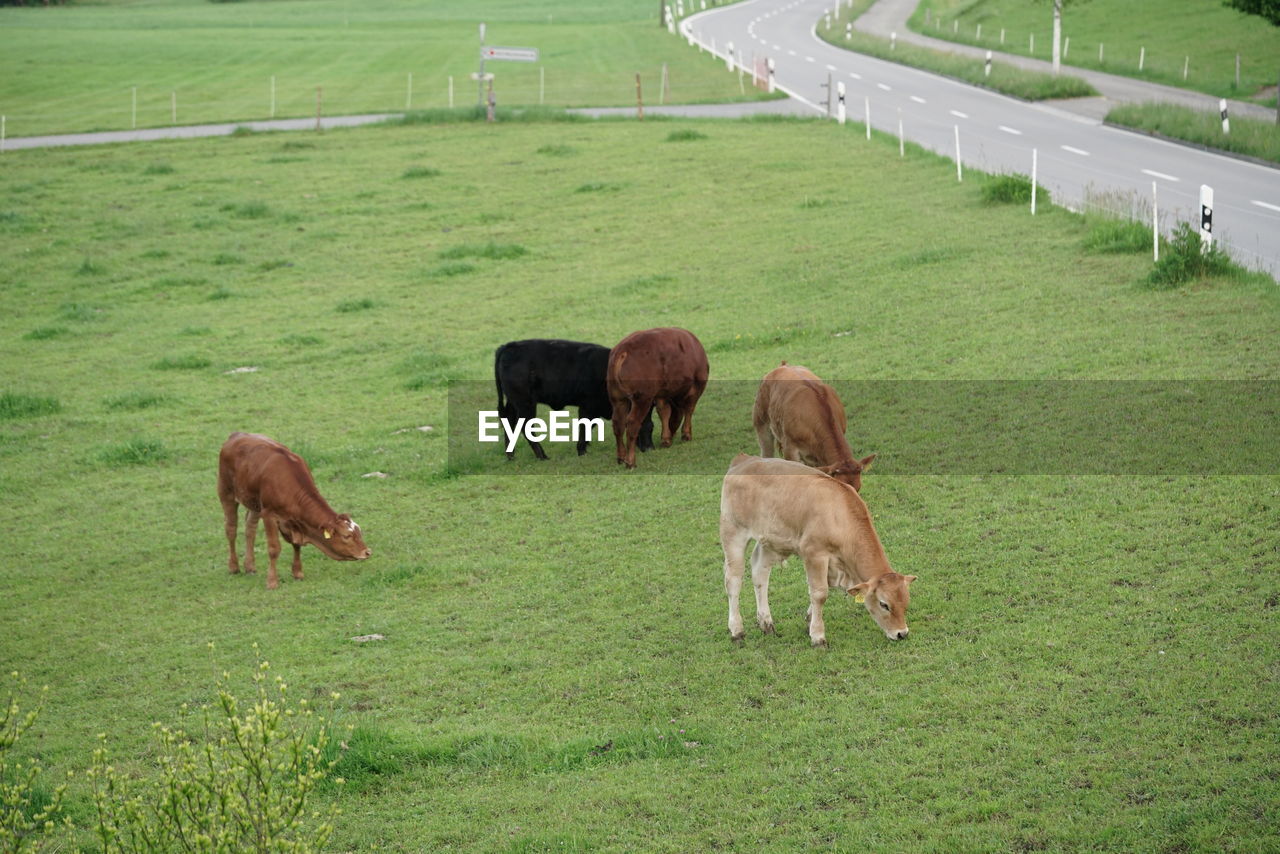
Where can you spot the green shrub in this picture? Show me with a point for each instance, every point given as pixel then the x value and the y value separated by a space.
pixel 135 452
pixel 189 362
pixel 685 135
pixel 44 333
pixel 28 811
pixel 1012 189
pixel 495 251
pixel 362 304
pixel 1182 259
pixel 239 780
pixel 420 172
pixel 1117 235
pixel 14 405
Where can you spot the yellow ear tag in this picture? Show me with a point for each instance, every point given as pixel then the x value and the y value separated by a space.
pixel 859 598
pixel 327 535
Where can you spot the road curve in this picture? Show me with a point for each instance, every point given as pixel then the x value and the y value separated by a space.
pixel 1077 158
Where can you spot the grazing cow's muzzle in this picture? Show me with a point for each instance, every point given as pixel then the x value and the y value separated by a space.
pixel 897 634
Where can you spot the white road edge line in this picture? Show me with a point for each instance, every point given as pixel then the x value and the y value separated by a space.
pixel 1266 205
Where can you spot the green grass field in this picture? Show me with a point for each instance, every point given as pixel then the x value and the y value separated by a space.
pixel 218 60
pixel 1092 660
pixel 1202 35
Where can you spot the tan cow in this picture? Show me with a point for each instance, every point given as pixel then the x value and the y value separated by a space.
pixel 803 419
pixel 789 508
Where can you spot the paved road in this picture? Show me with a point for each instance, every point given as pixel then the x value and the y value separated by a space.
pixel 1076 157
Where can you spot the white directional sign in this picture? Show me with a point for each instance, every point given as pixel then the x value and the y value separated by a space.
pixel 510 54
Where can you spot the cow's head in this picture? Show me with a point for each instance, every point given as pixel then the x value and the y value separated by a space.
pixel 341 540
pixel 886 597
pixel 849 471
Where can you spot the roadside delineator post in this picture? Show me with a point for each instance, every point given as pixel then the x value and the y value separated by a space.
pixel 1206 217
pixel 987 68
pixel 840 114
pixel 771 70
pixel 1222 110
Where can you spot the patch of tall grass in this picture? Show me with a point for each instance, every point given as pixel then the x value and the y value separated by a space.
pixel 1249 137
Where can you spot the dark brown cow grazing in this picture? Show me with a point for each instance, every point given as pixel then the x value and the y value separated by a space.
pixel 664 367
pixel 274 484
pixel 804 419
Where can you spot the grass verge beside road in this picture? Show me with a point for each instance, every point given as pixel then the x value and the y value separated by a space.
pixel 1004 78
pixel 1252 138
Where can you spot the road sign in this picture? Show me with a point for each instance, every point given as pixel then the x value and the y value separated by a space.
pixel 510 54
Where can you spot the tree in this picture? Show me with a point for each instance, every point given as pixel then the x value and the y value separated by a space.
pixel 1269 9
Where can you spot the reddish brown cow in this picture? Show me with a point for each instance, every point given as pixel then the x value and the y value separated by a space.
pixel 274 484
pixel 803 417
pixel 666 368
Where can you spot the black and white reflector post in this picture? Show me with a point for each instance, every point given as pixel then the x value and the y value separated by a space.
pixel 1206 216
pixel 840 113
pixel 1222 110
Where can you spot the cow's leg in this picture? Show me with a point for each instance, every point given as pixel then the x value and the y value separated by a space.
pixel 297 561
pixel 621 411
pixel 815 569
pixel 231 512
pixel 687 404
pixel 664 416
pixel 273 550
pixel 646 432
pixel 250 536
pixel 734 542
pixel 639 406
pixel 764 436
pixel 526 408
pixel 763 560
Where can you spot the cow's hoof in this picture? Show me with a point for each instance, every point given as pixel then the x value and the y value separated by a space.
pixel 768 628
pixel 820 643
pixel 738 638
pixel 666 443
pixel 248 570
pixel 274 586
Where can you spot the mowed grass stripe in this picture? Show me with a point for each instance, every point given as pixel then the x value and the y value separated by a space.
pixel 1073 638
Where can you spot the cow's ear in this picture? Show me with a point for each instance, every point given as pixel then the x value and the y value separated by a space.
pixel 907 579
pixel 865 462
pixel 859 591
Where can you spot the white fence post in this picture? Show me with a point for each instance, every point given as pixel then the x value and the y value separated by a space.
pixel 1033 181
pixel 1155 224
pixel 959 171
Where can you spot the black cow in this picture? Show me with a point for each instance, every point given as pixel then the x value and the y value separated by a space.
pixel 559 374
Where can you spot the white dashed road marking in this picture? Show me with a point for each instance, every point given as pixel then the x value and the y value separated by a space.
pixel 1079 151
pixel 1008 129
pixel 1155 174
pixel 884 87
pixel 918 99
pixel 958 114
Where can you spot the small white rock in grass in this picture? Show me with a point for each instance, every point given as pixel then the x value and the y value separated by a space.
pixel 367 638
pixel 426 428
pixel 247 369
pixel 378 474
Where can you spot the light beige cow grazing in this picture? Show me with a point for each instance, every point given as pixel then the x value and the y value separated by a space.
pixel 802 418
pixel 789 508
